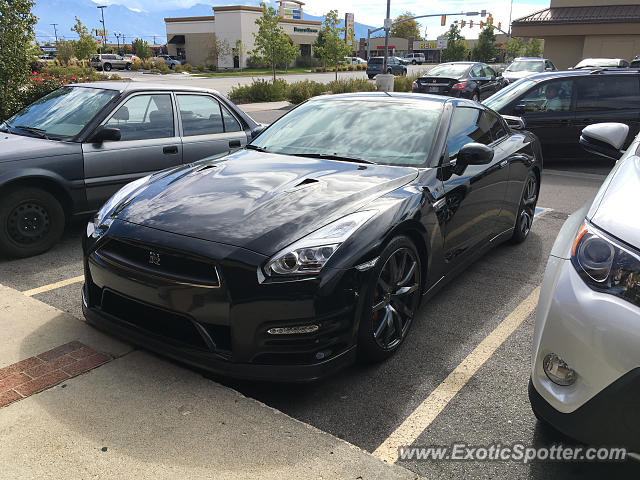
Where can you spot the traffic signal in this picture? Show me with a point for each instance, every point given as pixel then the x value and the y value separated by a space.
pixel 490 19
pixel 481 24
pixel 470 23
pixel 443 21
pixel 462 23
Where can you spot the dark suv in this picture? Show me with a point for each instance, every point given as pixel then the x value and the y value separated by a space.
pixel 376 66
pixel 556 106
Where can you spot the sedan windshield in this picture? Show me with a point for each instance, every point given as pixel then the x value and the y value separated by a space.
pixel 525 66
pixel 381 130
pixel 62 113
pixel 453 70
pixel 504 97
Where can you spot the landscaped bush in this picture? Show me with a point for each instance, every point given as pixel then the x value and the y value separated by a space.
pixel 254 62
pixel 187 67
pixel 300 91
pixel 260 91
pixel 307 62
pixel 351 85
pixel 135 66
pixel 201 68
pixel 404 84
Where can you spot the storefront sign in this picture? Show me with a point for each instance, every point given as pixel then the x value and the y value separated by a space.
pixel 305 30
pixel 425 45
pixel 292 13
pixel 381 47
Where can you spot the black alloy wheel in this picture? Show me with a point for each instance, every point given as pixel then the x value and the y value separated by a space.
pixel 392 300
pixel 127 66
pixel 107 67
pixel 31 222
pixel 527 209
pixel 389 71
pixel 475 97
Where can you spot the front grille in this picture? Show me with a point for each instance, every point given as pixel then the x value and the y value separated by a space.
pixel 161 322
pixel 161 262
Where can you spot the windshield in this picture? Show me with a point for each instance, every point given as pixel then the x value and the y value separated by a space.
pixel 504 97
pixel 597 62
pixel 449 70
pixel 62 113
pixel 375 60
pixel 381 130
pixel 525 66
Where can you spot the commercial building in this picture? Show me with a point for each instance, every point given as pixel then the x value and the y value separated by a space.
pixel 577 29
pixel 195 38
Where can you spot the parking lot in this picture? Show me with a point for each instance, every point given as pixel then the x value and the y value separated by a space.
pixel 373 406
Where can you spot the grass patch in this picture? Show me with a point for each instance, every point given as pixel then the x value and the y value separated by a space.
pixel 250 72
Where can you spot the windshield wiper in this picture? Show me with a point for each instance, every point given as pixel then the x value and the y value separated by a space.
pixel 327 156
pixel 255 147
pixel 38 131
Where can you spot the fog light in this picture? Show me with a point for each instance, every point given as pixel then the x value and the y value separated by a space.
pixel 293 330
pixel 558 371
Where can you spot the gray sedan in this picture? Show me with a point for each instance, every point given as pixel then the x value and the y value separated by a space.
pixel 67 153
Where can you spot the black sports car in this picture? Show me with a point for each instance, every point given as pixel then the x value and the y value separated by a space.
pixel 315 243
pixel 473 80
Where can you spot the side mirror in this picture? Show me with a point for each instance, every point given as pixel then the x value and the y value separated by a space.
pixel 604 139
pixel 106 134
pixel 519 109
pixel 474 154
pixel 499 73
pixel 257 131
pixel 515 123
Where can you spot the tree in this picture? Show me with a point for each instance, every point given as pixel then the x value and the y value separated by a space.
pixel 239 50
pixel 287 51
pixel 486 47
pixel 513 47
pixel 16 34
pixel 127 48
pixel 66 50
pixel 334 49
pixel 86 43
pixel 218 48
pixel 407 29
pixel 269 38
pixel 533 48
pixel 141 48
pixel 456 46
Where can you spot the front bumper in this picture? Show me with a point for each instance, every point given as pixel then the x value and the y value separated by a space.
pixel 223 328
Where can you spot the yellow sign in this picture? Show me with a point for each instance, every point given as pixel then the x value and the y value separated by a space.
pixel 428 45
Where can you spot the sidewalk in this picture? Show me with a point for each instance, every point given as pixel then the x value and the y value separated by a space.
pixel 139 416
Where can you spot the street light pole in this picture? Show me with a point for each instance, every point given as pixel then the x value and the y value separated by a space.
pixel 104 29
pixel 55 31
pixel 387 28
pixel 510 12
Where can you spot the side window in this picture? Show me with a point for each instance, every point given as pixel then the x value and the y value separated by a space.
pixel 554 96
pixel 144 117
pixel 468 125
pixel 496 126
pixel 488 72
pixel 200 115
pixel 230 122
pixel 477 72
pixel 608 92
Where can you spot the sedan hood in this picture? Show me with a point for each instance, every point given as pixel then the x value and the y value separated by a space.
pixel 19 147
pixel 513 76
pixel 259 201
pixel 617 211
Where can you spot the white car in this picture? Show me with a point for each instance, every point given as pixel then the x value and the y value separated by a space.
pixel 585 378
pixel 414 58
pixel 355 61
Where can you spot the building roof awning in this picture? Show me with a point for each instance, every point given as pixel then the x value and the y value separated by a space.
pixel 177 40
pixel 582 15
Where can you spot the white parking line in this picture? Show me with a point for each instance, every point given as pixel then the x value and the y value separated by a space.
pixel 413 426
pixel 53 286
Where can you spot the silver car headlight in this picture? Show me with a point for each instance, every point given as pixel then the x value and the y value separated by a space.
pixel 101 217
pixel 309 254
pixel 606 265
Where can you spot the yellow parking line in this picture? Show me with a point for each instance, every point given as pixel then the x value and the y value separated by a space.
pixel 53 286
pixel 409 431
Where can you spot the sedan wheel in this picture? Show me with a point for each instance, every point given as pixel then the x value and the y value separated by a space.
pixel 527 209
pixel 392 300
pixel 107 67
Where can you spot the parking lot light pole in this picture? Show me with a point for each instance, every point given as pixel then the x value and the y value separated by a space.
pixel 387 29
pixel 104 29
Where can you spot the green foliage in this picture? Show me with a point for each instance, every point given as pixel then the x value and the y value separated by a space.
pixel 298 92
pixel 456 46
pixel 141 48
pixel 86 45
pixel 351 85
pixel 66 50
pixel 260 91
pixel 272 45
pixel 218 48
pixel 407 29
pixel 486 48
pixel 405 84
pixel 513 47
pixel 533 48
pixel 16 35
pixel 333 48
pixel 127 48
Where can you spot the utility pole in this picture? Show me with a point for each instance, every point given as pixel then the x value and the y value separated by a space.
pixel 387 28
pixel 55 31
pixel 104 29
pixel 510 12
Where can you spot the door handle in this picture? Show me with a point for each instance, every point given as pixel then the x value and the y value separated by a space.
pixel 171 149
pixel 235 143
pixel 504 163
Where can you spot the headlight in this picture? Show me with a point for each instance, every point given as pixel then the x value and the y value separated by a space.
pixel 118 197
pixel 606 265
pixel 310 254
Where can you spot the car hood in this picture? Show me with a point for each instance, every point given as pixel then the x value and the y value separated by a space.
pixel 19 147
pixel 259 201
pixel 615 209
pixel 517 75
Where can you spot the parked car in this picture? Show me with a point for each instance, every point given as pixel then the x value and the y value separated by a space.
pixel 525 66
pixel 108 61
pixel 414 58
pixel 133 58
pixel 376 66
pixel 285 259
pixel 635 63
pixel 65 154
pixel 170 61
pixel 585 376
pixel 355 61
pixel 591 63
pixel 473 80
pixel 556 106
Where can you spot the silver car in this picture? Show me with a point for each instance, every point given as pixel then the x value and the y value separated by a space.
pixel 522 67
pixel 585 376
pixel 108 61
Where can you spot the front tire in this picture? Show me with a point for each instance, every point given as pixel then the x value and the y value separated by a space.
pixel 527 209
pixel 127 66
pixel 475 97
pixel 413 62
pixel 31 222
pixel 107 67
pixel 370 77
pixel 391 300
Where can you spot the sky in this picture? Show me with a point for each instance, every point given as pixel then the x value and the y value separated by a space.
pixel 372 12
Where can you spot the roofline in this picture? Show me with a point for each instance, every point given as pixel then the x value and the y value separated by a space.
pixel 189 19
pixel 231 8
pixel 522 22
